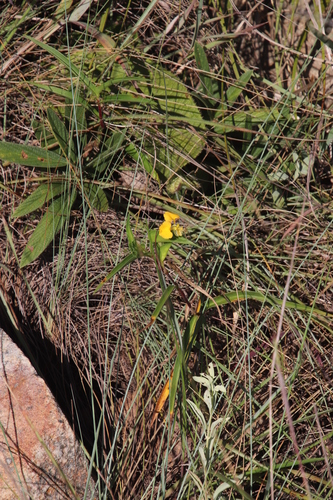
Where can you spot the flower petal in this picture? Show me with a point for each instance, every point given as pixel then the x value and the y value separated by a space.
pixel 165 230
pixel 169 217
pixel 177 230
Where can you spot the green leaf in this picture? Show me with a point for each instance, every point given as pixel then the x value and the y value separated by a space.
pixel 236 89
pixel 323 38
pixel 181 144
pixel 67 94
pixel 278 176
pixel 111 146
pixel 278 198
pixel 60 133
pixel 75 71
pixel 96 197
pixel 165 296
pixel 38 198
pixel 125 262
pixel 142 158
pixel 262 116
pixel 163 251
pixel 79 10
pixel 48 227
pixel 203 65
pixel 43 134
pixel 132 243
pixel 171 95
pixel 80 116
pixel 30 156
pixel 270 299
pixel 62 9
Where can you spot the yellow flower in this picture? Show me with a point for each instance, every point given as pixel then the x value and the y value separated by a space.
pixel 165 230
pixel 169 228
pixel 177 230
pixel 169 217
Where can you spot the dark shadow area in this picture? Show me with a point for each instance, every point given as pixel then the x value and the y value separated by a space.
pixel 63 378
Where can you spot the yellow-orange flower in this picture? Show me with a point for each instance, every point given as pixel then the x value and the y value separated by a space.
pixel 165 229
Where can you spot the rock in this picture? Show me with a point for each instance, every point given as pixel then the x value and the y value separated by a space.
pixel 39 455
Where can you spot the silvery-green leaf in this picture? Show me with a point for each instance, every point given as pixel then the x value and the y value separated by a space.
pixel 211 370
pixel 203 457
pixel 202 380
pixel 215 425
pixel 208 400
pixel 197 481
pixel 278 176
pixel 199 414
pixel 220 388
pixel 220 489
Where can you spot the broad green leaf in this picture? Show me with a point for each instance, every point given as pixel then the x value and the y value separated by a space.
pixel 45 137
pixel 171 95
pixel 176 151
pixel 60 133
pixel 203 65
pixel 179 144
pixel 30 156
pixel 80 116
pixel 236 89
pixel 278 198
pixel 180 181
pixel 175 145
pixel 46 230
pixel 163 251
pixel 239 119
pixel 38 198
pixel 96 197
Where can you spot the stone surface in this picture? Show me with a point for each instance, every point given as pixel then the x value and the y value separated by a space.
pixel 36 441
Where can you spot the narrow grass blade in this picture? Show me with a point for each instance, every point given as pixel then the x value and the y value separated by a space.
pixel 260 297
pixel 125 262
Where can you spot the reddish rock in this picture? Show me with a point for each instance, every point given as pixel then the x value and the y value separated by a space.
pixel 39 455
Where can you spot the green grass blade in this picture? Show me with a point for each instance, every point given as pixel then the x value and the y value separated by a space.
pixel 270 299
pixel 125 262
pixel 165 296
pixel 67 63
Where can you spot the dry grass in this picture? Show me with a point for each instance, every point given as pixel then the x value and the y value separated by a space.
pixel 249 202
